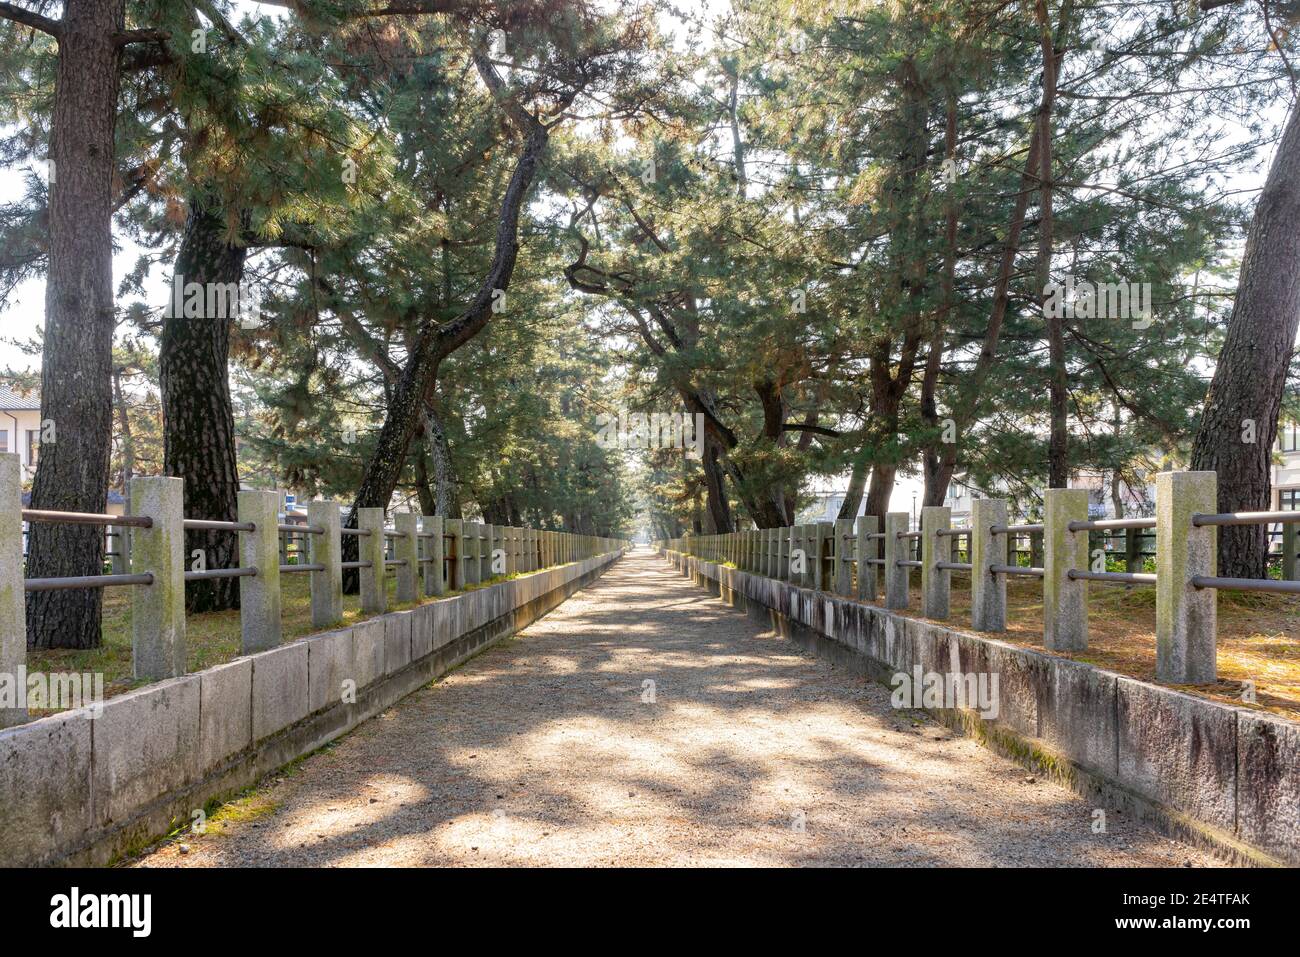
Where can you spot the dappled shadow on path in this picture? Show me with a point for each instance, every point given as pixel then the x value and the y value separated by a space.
pixel 551 749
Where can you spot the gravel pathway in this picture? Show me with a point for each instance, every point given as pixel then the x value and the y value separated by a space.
pixel 551 749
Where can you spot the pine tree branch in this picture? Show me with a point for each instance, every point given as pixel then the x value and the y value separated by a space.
pixel 29 19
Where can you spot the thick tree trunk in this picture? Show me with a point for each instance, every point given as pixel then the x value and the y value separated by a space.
pixel 719 509
pixel 446 496
pixel 935 465
pixel 198 419
pixel 1246 393
pixel 77 362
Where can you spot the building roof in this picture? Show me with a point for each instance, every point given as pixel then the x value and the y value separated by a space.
pixel 11 401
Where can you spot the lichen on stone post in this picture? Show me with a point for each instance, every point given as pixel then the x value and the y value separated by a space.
pixel 1065 600
pixel 897 578
pixel 935 581
pixel 1186 616
pixel 407 549
pixel 988 590
pixel 259 595
pixel 158 610
pixel 372 549
pixel 13 598
pixel 326 549
pixel 868 525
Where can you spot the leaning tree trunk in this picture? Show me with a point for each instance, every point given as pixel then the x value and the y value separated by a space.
pixel 435 343
pixel 77 361
pixel 880 490
pixel 857 485
pixel 719 509
pixel 1239 424
pixel 198 419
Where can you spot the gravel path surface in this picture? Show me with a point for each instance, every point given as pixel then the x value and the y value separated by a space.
pixel 542 751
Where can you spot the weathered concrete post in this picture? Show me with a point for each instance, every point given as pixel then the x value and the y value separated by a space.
pixel 1036 558
pixel 455 530
pixel 371 548
pixel 1186 617
pixel 867 525
pixel 326 549
pixel 988 610
pixel 936 583
pixel 407 549
pixel 808 542
pixel 896 550
pixel 13 599
pixel 843 566
pixel 158 610
pixel 469 553
pixel 433 583
pixel 259 595
pixel 821 544
pixel 1065 601
pixel 1289 545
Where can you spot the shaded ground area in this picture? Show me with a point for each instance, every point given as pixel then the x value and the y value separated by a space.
pixel 549 749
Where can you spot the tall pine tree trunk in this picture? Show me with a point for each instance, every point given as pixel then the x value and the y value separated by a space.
pixel 1058 457
pixel 198 419
pixel 1246 393
pixel 77 361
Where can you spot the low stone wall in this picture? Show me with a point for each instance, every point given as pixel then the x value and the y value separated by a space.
pixel 82 790
pixel 1224 777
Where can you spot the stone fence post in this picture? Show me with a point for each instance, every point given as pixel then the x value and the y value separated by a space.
pixel 158 610
pixel 988 610
pixel 433 583
pixel 454 529
pixel 1186 617
pixel 821 537
pixel 1065 600
pixel 843 565
pixel 407 548
pixel 868 525
pixel 259 595
pixel 326 549
pixel 896 550
pixel 13 599
pixel 936 582
pixel 372 548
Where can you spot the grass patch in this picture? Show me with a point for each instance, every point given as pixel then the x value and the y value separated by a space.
pixel 1259 637
pixel 211 638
